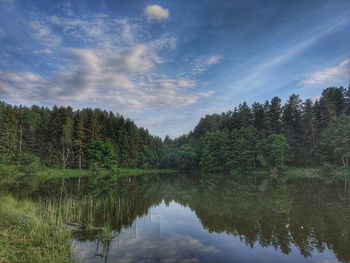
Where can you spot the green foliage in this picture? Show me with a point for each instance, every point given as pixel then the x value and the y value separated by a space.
pixel 60 136
pixel 168 156
pixel 187 158
pixel 326 169
pixel 241 149
pixel 277 150
pixel 101 154
pixel 336 139
pixel 213 146
pixel 236 139
pixel 295 128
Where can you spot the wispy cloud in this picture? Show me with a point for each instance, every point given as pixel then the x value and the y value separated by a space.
pixel 261 72
pixel 202 64
pixel 327 75
pixel 124 78
pixel 156 12
pixel 44 35
pixel 116 66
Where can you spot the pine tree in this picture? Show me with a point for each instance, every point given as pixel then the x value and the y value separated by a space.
pixel 292 126
pixel 258 116
pixel 274 115
pixel 244 115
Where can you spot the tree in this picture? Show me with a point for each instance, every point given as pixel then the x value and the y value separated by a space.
pixel 79 137
pixel 278 149
pixel 347 101
pixel 8 134
pixel 240 150
pixel 292 127
pixel 168 155
pixel 67 141
pixel 332 104
pixel 187 158
pixel 101 154
pixel 213 147
pixel 274 115
pixel 336 137
pixel 244 115
pixel 209 123
pixel 309 132
pixel 258 116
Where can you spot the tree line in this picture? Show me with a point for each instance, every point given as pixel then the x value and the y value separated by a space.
pixel 62 137
pixel 298 133
pixel 261 135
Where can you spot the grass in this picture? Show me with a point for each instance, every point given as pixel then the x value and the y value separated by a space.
pixel 51 173
pixel 27 235
pixel 10 174
pixel 325 174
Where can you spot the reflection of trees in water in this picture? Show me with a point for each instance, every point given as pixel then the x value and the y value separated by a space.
pixel 307 215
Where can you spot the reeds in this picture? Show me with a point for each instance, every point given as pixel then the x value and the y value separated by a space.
pixel 27 235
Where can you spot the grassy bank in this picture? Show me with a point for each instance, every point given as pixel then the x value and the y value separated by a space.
pixel 29 235
pixel 326 173
pixel 50 173
pixel 10 174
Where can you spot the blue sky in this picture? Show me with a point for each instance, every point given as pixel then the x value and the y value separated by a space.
pixel 165 64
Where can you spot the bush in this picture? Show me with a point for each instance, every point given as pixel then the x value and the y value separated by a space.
pixel 101 154
pixel 326 169
pixel 30 163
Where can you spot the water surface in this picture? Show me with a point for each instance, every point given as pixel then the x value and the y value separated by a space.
pixel 212 219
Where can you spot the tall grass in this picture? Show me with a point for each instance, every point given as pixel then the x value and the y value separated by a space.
pixel 30 235
pixel 51 173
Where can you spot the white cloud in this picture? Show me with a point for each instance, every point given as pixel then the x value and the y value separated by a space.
pixel 101 30
pixel 202 64
pixel 156 12
pixel 43 52
pixel 125 79
pixel 117 68
pixel 40 30
pixel 44 35
pixel 258 75
pixel 21 87
pixel 213 60
pixel 327 75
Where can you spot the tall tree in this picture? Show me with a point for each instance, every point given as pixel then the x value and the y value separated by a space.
pixel 244 115
pixel 278 149
pixel 274 115
pixel 258 116
pixel 101 154
pixel 336 138
pixel 292 125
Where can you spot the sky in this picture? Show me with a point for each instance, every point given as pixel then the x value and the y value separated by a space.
pixel 165 64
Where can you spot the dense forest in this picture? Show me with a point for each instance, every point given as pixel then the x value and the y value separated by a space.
pixel 61 137
pixel 263 135
pixel 298 133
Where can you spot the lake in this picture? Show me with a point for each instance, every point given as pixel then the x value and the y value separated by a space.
pixel 182 218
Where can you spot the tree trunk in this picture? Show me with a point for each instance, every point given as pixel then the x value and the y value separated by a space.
pixel 20 143
pixel 80 157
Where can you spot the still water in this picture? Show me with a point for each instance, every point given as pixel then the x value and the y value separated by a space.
pixel 177 218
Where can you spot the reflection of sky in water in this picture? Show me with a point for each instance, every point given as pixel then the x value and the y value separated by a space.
pixel 173 233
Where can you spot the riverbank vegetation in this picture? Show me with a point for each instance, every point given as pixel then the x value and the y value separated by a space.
pixel 272 136
pixel 268 137
pixel 304 215
pixel 30 235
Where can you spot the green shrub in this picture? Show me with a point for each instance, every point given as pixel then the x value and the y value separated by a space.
pixel 326 169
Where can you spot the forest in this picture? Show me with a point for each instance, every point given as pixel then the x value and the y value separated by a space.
pixel 265 135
